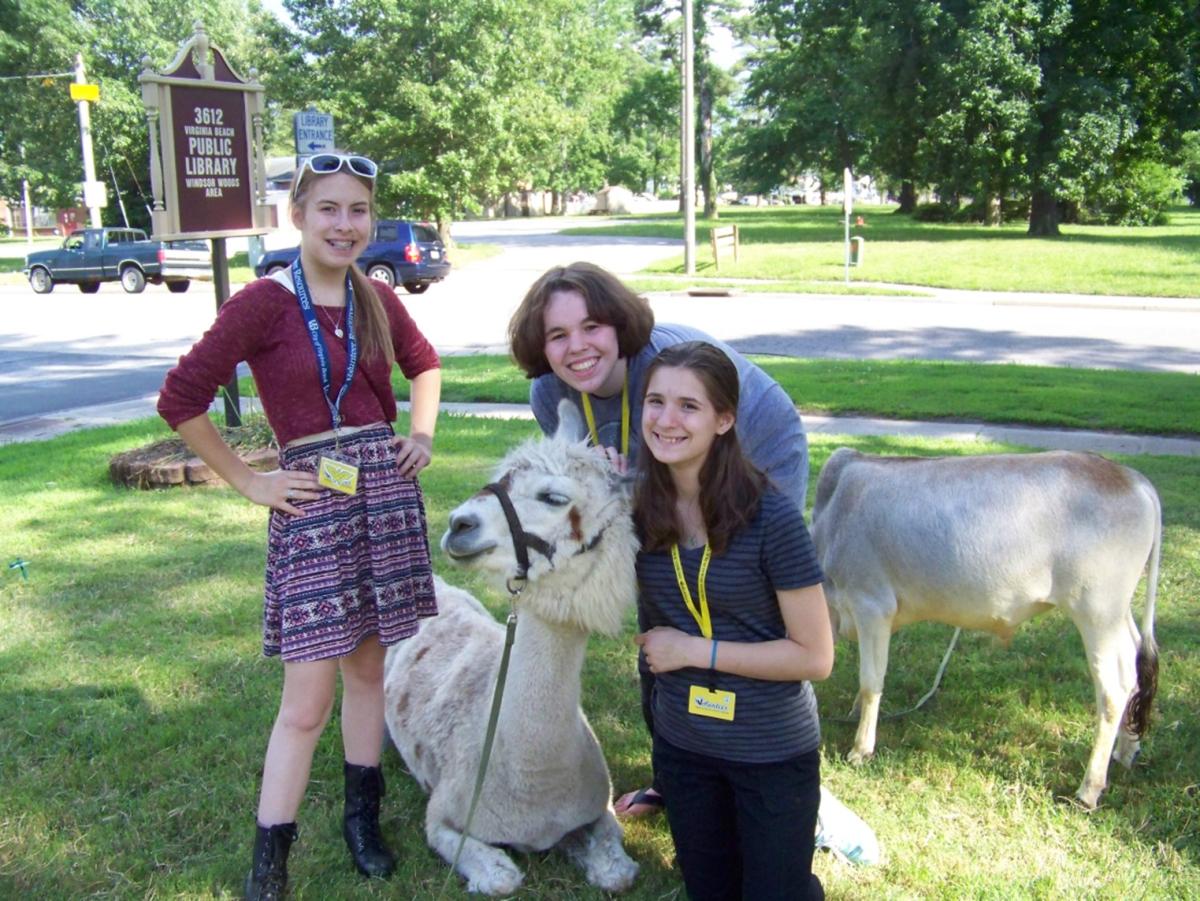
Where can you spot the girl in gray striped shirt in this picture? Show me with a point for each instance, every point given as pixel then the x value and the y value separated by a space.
pixel 737 626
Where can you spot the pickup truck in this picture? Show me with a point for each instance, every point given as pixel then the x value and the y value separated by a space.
pixel 400 252
pixel 90 256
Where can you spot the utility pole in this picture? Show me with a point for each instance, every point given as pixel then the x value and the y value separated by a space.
pixel 688 181
pixel 89 164
pixel 28 205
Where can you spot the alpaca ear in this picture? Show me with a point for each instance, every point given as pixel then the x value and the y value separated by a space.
pixel 571 426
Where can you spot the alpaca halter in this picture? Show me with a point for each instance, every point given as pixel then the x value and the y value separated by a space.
pixel 523 541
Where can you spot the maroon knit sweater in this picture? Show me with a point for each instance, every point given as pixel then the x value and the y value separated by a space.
pixel 262 324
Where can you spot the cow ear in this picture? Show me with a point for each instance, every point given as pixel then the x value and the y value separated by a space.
pixel 570 422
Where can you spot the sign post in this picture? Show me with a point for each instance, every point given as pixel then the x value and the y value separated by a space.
pixel 847 206
pixel 207 169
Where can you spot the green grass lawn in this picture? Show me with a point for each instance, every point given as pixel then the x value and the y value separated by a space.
pixel 1165 403
pixel 135 708
pixel 803 243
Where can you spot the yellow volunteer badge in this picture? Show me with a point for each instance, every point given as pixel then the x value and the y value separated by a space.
pixel 337 475
pixel 710 702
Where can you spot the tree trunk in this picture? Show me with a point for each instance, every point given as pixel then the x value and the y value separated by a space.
pixel 443 227
pixel 708 181
pixel 908 197
pixel 992 212
pixel 1043 215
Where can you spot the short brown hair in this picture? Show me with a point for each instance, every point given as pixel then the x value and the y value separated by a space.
pixel 608 300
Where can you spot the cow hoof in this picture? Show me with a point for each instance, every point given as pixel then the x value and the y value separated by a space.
pixel 1085 801
pixel 858 758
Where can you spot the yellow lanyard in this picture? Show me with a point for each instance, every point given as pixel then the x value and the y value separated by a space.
pixel 700 614
pixel 591 417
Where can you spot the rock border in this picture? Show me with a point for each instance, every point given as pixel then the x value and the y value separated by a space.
pixel 169 463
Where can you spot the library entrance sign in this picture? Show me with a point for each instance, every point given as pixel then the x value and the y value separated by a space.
pixel 207 170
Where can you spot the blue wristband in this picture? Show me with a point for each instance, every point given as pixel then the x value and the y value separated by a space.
pixel 712 661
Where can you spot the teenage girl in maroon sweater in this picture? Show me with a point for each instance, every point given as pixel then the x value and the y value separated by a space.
pixel 348 568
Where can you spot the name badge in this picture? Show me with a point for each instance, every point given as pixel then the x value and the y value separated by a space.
pixel 337 475
pixel 710 702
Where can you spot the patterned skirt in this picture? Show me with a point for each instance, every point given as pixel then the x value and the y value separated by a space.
pixel 353 565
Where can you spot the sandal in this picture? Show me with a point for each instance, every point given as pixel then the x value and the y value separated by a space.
pixel 639 803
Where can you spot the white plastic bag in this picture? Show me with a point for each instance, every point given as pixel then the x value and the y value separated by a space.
pixel 842 831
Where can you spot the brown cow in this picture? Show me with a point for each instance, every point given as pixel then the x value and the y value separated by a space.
pixel 987 542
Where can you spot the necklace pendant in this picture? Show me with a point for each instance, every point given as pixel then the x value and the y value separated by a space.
pixel 338 332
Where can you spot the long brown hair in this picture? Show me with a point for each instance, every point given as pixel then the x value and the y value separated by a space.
pixel 371 327
pixel 730 486
pixel 609 302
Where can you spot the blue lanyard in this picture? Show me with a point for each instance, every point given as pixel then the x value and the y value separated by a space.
pixel 314 334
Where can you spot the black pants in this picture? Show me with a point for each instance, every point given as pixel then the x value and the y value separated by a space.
pixel 742 832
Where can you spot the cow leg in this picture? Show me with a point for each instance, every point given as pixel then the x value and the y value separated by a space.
pixel 874 636
pixel 1111 655
pixel 1128 745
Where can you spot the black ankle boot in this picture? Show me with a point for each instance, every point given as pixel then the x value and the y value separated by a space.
pixel 364 788
pixel 268 877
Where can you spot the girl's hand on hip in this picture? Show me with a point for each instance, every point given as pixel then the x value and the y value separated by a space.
pixel 669 649
pixel 412 454
pixel 280 487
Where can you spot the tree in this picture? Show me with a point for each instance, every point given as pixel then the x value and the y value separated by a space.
pixel 810 105
pixel 646 123
pixel 460 102
pixel 39 38
pixel 661 21
pixel 43 36
pixel 981 103
pixel 1117 84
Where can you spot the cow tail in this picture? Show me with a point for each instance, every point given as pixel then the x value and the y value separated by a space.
pixel 1137 712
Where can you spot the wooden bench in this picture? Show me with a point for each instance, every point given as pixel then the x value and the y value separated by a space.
pixel 723 237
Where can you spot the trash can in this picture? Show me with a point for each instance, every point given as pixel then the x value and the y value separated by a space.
pixel 856 250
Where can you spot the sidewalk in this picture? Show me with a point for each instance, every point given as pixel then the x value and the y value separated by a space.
pixel 43 427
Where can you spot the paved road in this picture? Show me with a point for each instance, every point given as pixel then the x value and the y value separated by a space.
pixel 66 351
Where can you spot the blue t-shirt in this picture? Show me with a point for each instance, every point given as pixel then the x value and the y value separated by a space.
pixel 773 721
pixel 768 426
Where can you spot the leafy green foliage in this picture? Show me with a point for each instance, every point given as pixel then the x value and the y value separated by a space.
pixel 43 36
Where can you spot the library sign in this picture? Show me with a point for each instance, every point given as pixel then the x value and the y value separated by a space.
pixel 207 169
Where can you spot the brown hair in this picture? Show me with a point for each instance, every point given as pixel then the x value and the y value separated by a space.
pixel 730 485
pixel 371 327
pixel 609 302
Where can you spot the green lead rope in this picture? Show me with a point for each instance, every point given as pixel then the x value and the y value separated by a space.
pixel 488 739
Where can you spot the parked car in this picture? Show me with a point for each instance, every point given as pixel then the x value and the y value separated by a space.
pixel 90 256
pixel 400 253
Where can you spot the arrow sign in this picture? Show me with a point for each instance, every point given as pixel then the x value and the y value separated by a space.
pixel 314 133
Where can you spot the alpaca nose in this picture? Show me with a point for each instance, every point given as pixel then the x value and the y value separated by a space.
pixel 463 524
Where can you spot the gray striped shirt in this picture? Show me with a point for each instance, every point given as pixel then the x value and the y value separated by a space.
pixel 773 720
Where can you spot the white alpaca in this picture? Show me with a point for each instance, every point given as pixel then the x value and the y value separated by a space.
pixel 547 783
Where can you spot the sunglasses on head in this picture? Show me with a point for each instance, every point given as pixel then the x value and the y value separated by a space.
pixel 329 163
